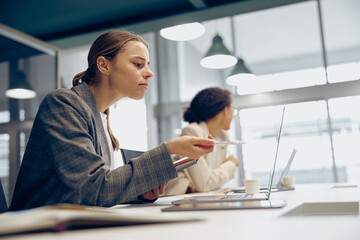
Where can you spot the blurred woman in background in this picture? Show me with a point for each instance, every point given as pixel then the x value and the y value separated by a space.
pixel 210 112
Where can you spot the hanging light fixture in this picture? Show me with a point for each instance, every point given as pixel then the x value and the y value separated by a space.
pixel 240 73
pixel 218 56
pixel 20 88
pixel 183 32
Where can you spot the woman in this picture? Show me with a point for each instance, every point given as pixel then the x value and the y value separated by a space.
pixel 69 155
pixel 210 112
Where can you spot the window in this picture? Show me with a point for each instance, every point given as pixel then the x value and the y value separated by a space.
pixel 128 123
pixel 345 116
pixel 283 46
pixel 342 39
pixel 305 129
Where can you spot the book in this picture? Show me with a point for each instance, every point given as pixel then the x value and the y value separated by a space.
pixel 62 217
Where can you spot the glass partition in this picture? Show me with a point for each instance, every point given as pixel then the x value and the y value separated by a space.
pixel 26 64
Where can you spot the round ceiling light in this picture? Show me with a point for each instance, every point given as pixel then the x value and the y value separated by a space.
pixel 183 32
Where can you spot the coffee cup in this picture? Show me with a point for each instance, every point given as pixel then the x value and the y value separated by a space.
pixel 288 182
pixel 252 186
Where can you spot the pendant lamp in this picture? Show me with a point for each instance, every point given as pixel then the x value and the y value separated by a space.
pixel 20 88
pixel 218 56
pixel 240 72
pixel 183 32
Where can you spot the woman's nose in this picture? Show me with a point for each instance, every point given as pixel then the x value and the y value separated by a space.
pixel 149 74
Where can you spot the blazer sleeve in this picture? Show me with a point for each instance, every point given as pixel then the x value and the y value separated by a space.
pixel 70 133
pixel 202 176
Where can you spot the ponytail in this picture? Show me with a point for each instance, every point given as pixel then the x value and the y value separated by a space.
pixel 114 141
pixel 78 77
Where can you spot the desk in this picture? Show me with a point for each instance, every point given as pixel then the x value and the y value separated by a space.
pixel 238 224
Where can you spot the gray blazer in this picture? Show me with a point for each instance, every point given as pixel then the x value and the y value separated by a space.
pixel 67 158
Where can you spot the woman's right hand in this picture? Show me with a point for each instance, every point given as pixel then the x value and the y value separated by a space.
pixel 192 147
pixel 233 159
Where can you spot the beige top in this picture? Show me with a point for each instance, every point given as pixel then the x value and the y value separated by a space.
pixel 210 172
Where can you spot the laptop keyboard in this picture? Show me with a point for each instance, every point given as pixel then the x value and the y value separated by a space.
pixel 238 196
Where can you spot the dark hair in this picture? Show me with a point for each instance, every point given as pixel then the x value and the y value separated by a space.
pixel 107 45
pixel 206 104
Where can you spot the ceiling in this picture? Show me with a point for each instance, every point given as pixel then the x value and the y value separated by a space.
pixel 51 20
pixel 287 36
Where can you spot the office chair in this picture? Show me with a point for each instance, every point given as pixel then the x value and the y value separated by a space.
pixel 129 154
pixel 3 204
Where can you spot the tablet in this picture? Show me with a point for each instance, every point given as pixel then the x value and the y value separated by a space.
pixel 178 164
pixel 184 163
pixel 263 204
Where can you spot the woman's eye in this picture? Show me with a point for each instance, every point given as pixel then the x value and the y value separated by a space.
pixel 139 65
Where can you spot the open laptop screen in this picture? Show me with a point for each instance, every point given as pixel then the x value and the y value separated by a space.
pixel 272 173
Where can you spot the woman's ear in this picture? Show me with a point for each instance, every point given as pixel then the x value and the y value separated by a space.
pixel 103 65
pixel 224 111
pixel 227 110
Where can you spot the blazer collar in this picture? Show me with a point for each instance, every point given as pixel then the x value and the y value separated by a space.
pixel 222 135
pixel 85 93
pixel 205 128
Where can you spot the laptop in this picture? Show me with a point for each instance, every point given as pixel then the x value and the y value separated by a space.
pixel 238 197
pixel 278 187
pixel 260 204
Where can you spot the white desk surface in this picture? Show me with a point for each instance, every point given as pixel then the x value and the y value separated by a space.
pixel 267 224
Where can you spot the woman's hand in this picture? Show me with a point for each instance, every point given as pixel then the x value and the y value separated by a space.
pixel 192 147
pixel 233 159
pixel 190 188
pixel 155 193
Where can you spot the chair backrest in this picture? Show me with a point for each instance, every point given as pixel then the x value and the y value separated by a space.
pixel 3 204
pixel 129 154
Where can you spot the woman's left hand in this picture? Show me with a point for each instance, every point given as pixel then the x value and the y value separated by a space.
pixel 155 193
pixel 233 159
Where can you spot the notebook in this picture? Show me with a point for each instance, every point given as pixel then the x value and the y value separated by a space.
pixel 238 197
pixel 278 187
pixel 62 217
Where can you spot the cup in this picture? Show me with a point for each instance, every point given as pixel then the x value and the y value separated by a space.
pixel 288 182
pixel 252 186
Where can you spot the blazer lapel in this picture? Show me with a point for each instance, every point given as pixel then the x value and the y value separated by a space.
pixel 85 93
